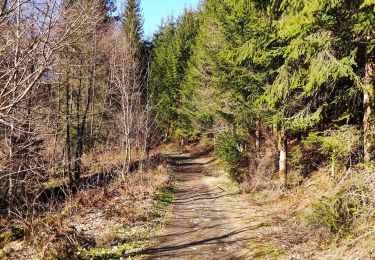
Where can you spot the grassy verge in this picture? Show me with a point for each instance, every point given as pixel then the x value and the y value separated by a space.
pixel 138 238
pixel 164 199
pixel 96 223
pixel 323 217
pixel 269 252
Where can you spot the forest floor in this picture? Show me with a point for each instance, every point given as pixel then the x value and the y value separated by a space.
pixel 205 215
pixel 189 208
pixel 210 218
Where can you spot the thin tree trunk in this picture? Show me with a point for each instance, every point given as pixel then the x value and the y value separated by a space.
pixel 77 161
pixel 93 82
pixel 81 129
pixel 68 124
pixel 3 7
pixel 283 162
pixel 10 178
pixel 368 100
pixel 257 139
pixel 57 123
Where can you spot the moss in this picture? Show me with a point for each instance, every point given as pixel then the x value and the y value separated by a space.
pixel 269 252
pixel 115 252
pixel 54 182
pixel 122 230
pixel 164 198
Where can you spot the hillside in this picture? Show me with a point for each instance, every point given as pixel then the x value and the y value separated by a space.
pixel 241 130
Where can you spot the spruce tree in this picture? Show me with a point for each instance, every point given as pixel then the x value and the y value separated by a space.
pixel 133 24
pixel 297 66
pixel 323 44
pixel 172 49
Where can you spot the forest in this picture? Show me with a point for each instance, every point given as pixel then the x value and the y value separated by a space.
pixel 261 111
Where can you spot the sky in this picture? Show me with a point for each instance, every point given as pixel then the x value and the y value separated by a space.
pixel 155 10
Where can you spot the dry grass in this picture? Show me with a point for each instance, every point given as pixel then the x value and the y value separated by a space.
pixel 121 211
pixel 170 148
pixel 287 211
pixel 291 214
pixel 195 149
pixel 102 160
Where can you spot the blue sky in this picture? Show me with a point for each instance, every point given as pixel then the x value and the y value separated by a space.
pixel 155 10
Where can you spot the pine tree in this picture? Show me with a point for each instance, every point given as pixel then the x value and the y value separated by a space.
pixel 225 69
pixel 133 24
pixel 163 78
pixel 320 54
pixel 173 47
pixel 297 66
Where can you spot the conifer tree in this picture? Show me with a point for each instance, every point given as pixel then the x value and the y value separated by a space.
pixel 133 24
pixel 297 66
pixel 173 47
pixel 226 70
pixel 320 54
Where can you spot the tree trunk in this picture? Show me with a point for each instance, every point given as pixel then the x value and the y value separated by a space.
pixel 283 162
pixel 368 100
pixel 81 128
pixel 68 125
pixel 10 191
pixel 93 82
pixel 3 7
pixel 79 138
pixel 257 139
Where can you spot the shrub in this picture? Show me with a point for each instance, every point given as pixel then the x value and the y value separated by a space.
pixel 339 212
pixel 226 150
pixel 338 144
pixel 295 159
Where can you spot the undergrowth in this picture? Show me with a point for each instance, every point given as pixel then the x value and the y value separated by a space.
pixel 97 223
pixel 330 217
pixel 226 150
pixel 163 199
pixel 338 213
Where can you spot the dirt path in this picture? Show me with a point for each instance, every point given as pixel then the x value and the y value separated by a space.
pixel 208 222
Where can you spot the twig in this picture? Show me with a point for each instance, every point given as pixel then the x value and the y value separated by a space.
pixel 359 238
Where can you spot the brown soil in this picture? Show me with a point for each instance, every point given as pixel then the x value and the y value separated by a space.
pixel 208 221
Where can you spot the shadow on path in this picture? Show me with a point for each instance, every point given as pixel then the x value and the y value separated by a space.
pixel 210 240
pixel 207 222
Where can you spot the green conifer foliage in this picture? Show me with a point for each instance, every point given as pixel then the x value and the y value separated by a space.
pixel 172 48
pixel 297 66
pixel 133 23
